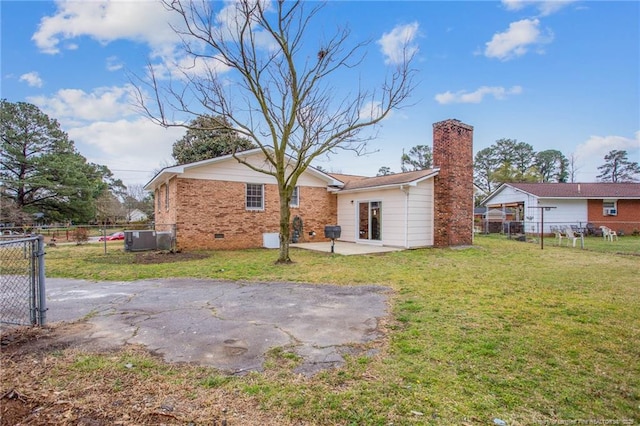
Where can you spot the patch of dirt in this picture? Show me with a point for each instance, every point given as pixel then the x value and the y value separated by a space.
pixel 47 380
pixel 19 341
pixel 167 257
pixel 149 257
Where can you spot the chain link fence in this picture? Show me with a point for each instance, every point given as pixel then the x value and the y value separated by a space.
pixel 514 227
pixel 22 281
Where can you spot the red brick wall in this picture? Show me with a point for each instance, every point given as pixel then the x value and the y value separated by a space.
pixel 627 219
pixel 165 218
pixel 206 208
pixel 453 187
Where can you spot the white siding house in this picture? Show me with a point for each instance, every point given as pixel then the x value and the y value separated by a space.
pixel 136 215
pixel 569 204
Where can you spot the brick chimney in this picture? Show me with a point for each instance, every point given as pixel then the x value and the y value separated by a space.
pixel 453 186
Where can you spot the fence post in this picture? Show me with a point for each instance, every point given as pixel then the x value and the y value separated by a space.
pixel 42 300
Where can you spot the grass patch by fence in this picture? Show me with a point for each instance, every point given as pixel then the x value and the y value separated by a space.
pixel 500 330
pixel 629 245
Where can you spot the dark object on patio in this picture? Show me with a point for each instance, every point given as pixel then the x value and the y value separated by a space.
pixel 592 230
pixel 332 231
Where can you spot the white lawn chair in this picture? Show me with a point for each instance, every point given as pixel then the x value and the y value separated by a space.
pixel 569 235
pixel 608 233
pixel 559 236
pixel 605 232
pixel 612 235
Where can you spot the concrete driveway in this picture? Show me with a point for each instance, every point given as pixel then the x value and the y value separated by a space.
pixel 227 325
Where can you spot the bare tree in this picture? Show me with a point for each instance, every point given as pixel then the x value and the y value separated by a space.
pixel 108 208
pixel 573 167
pixel 273 90
pixel 135 197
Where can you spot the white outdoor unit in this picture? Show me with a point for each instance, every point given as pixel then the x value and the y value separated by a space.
pixel 140 240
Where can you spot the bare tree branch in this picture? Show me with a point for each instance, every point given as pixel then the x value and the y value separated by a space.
pixel 251 64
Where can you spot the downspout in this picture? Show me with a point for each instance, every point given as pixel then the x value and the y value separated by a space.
pixel 406 215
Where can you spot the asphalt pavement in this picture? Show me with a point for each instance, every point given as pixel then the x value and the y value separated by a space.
pixel 223 324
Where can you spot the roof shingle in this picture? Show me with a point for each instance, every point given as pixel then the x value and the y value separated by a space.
pixel 387 180
pixel 580 190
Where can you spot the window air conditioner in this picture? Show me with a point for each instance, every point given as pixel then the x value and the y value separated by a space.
pixel 610 212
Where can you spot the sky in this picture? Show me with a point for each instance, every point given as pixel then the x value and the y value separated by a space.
pixel 559 75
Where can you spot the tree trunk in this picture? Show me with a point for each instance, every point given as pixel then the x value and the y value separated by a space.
pixel 285 228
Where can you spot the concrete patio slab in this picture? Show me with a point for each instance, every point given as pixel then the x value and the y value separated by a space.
pixel 346 248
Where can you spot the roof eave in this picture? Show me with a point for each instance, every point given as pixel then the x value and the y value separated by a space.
pixel 393 185
pixel 163 176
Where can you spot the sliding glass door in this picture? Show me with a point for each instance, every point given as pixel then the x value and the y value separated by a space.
pixel 370 220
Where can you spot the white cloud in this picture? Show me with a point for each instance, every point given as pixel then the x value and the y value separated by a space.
pixel 371 111
pixel 142 21
pixel 131 149
pixel 114 64
pixel 187 67
pixel 545 7
pixel 398 45
pixel 516 41
pixel 106 21
pixel 71 106
pixel 32 79
pixel 231 20
pixel 590 154
pixel 463 97
pixel 106 129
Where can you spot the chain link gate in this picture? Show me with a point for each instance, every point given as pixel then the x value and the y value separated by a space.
pixel 22 282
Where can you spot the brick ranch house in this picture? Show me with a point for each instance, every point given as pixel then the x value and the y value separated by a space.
pixel 222 204
pixel 615 205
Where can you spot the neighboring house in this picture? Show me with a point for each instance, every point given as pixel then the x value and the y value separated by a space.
pixel 220 203
pixel 136 215
pixel 616 205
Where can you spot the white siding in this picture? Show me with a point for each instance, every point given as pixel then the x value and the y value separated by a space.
pixel 509 195
pixel 231 170
pixel 394 223
pixel 420 227
pixel 567 212
pixel 346 217
pixel 407 220
pixel 393 216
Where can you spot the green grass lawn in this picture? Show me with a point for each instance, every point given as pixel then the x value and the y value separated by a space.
pixel 501 330
pixel 623 245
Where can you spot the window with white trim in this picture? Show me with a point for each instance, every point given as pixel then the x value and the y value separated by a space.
pixel 609 208
pixel 254 199
pixel 295 197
